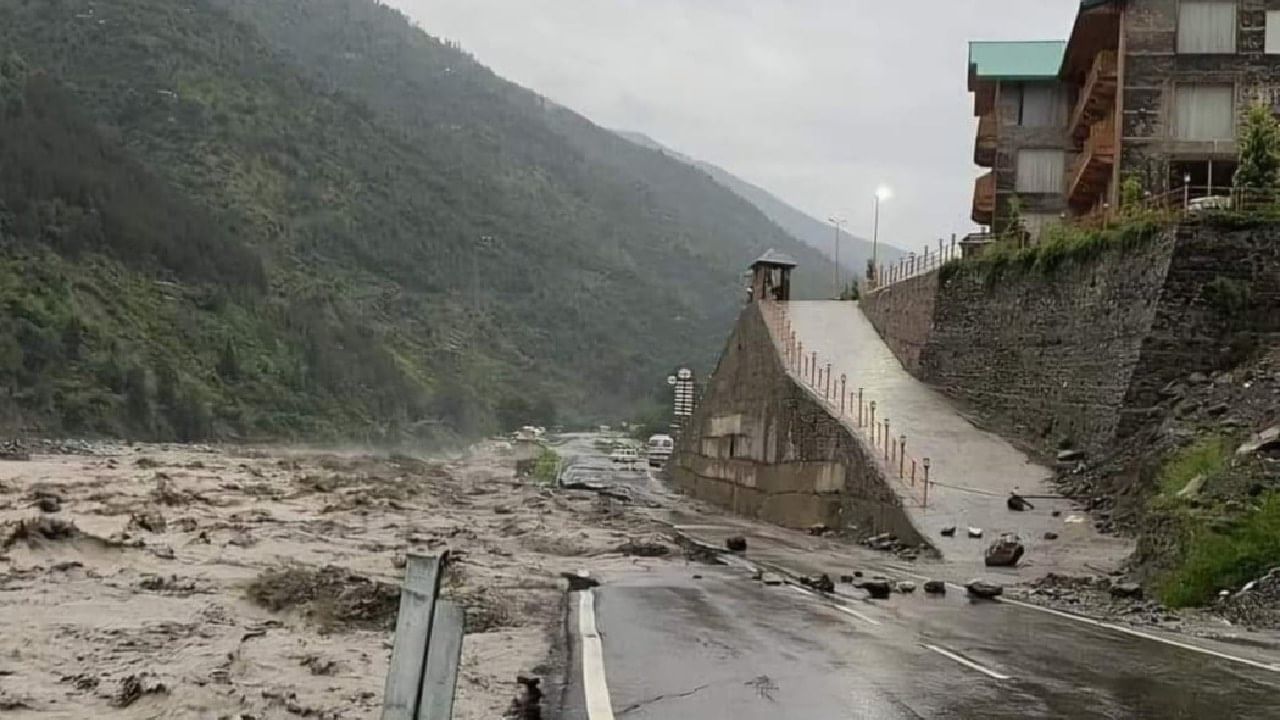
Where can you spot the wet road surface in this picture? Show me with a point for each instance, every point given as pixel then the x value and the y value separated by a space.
pixel 726 647
pixel 704 641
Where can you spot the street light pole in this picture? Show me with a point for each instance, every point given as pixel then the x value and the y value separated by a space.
pixel 882 193
pixel 837 221
pixel 875 234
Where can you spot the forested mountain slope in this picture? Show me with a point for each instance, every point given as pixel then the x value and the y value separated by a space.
pixel 270 218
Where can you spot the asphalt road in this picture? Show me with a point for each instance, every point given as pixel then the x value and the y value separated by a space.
pixel 708 642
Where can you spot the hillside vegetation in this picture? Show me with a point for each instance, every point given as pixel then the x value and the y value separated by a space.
pixel 289 219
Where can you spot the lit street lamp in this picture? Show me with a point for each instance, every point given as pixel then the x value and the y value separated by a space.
pixel 882 193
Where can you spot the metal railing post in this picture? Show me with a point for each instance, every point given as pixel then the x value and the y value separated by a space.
pixel 827 392
pixel 925 503
pixel 842 393
pixel 873 421
pixel 902 455
pixel 859 407
pixel 913 472
pixel 813 369
pixel 886 439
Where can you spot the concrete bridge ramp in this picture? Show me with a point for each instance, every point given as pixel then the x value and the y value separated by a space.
pixel 972 472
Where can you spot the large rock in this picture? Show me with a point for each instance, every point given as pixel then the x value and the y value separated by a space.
pixel 736 544
pixel 1266 441
pixel 935 587
pixel 878 589
pixel 983 589
pixel 1066 456
pixel 1130 590
pixel 1005 552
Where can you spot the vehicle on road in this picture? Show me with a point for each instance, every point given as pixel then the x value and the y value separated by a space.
pixel 625 456
pixel 660 449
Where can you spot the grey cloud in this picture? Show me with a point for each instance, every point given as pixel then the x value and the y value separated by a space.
pixel 817 101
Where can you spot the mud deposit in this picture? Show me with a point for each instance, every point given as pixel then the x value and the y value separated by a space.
pixel 185 582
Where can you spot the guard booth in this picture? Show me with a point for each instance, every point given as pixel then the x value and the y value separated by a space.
pixel 771 277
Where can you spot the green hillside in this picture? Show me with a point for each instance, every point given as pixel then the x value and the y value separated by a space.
pixel 288 219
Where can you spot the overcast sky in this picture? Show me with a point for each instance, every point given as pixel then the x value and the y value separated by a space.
pixel 818 101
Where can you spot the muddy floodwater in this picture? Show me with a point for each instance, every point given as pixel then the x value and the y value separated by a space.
pixel 178 581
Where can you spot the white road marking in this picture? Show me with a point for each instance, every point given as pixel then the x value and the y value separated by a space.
pixel 966 662
pixel 855 613
pixel 1271 667
pixel 594 686
pixel 838 606
pixel 1149 636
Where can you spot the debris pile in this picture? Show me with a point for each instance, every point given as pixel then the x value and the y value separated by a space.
pixel 331 596
pixel 1257 604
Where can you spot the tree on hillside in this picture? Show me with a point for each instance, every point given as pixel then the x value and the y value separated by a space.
pixel 1259 167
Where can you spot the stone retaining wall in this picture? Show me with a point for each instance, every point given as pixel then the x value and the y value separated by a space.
pixel 1078 354
pixel 763 446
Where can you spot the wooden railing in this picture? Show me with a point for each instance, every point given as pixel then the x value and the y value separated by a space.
pixel 1089 174
pixel 984 199
pixel 1098 94
pixel 984 146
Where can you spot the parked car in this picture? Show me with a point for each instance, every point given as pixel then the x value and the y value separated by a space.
pixel 660 449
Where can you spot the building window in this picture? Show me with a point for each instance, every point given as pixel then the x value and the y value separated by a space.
pixel 1040 171
pixel 1042 106
pixel 1204 112
pixel 1207 26
pixel 1273 33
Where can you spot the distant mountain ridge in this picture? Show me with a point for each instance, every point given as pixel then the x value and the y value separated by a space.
pixel 854 250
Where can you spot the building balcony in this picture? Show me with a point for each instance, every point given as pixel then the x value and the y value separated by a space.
pixel 1097 96
pixel 984 199
pixel 1090 175
pixel 984 147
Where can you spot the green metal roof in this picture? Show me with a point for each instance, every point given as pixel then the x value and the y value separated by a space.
pixel 1016 60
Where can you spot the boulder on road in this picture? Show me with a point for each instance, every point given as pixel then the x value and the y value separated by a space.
pixel 949 531
pixel 983 589
pixel 736 544
pixel 1017 503
pixel 935 587
pixel 906 587
pixel 878 589
pixel 1005 552
pixel 819 530
pixel 580 581
pixel 975 532
pixel 1051 535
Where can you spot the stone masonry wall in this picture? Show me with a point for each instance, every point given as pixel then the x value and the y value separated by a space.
pixel 902 313
pixel 1079 354
pixel 763 446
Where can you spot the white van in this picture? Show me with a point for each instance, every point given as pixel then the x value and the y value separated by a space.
pixel 660 449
